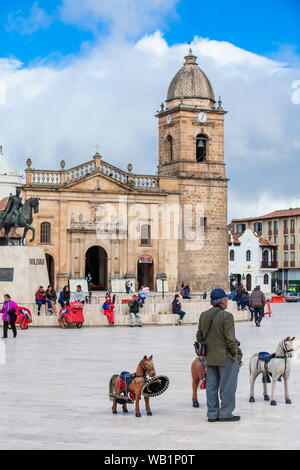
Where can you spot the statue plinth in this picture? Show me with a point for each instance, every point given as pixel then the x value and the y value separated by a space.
pixel 22 270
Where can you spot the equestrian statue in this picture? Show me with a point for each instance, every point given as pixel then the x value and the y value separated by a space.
pixel 19 215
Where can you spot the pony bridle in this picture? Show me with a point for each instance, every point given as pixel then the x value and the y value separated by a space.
pixel 145 368
pixel 285 348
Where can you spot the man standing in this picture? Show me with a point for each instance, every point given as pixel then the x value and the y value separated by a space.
pixel 258 302
pixel 216 326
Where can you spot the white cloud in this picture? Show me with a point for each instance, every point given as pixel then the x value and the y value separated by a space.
pixel 123 17
pixel 109 96
pixel 38 19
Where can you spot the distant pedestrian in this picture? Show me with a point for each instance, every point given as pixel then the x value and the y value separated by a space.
pixel 134 307
pixel 80 295
pixel 216 328
pixel 258 302
pixel 9 315
pixel 176 308
pixel 64 297
pixel 128 285
pixel 52 297
pixel 41 299
pixel 108 310
pixel 187 291
pixel 141 296
pixel 204 295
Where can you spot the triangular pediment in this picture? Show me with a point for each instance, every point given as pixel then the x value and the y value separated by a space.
pixel 98 182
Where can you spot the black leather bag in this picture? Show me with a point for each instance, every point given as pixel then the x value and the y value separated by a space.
pixel 12 315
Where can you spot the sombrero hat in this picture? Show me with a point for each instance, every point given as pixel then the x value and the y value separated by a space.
pixel 156 386
pixel 121 399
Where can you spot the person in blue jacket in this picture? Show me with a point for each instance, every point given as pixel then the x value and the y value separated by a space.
pixel 64 297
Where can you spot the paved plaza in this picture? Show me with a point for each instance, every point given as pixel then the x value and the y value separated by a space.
pixel 54 387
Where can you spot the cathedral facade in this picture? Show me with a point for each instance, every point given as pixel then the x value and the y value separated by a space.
pixel 99 221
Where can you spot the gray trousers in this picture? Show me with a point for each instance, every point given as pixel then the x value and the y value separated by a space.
pixel 223 381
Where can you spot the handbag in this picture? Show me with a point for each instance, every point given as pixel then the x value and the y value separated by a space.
pixel 200 346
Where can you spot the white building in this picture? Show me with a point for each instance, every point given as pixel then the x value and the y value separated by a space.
pixel 9 177
pixel 252 260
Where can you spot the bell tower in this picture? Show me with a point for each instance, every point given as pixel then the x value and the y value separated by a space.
pixel 191 148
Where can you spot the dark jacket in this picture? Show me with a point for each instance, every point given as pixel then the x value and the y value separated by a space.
pixel 176 306
pixel 221 340
pixel 134 306
pixel 51 295
pixel 257 299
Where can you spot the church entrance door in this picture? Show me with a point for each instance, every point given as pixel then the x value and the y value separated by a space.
pixel 145 272
pixel 96 266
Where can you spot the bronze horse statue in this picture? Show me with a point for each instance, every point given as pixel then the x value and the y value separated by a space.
pixel 198 372
pixel 119 387
pixel 23 220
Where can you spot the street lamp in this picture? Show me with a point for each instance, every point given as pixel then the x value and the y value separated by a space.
pixel 163 278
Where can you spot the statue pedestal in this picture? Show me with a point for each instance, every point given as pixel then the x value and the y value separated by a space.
pixel 22 270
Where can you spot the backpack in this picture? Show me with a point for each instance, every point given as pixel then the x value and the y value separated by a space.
pixel 12 314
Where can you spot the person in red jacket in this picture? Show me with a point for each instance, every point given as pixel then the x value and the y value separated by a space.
pixel 108 310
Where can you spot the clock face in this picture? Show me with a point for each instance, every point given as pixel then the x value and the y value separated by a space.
pixel 202 117
pixel 169 119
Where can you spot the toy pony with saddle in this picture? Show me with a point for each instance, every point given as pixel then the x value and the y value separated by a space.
pixel 128 388
pixel 272 365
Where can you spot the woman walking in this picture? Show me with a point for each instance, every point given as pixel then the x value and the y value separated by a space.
pixel 9 315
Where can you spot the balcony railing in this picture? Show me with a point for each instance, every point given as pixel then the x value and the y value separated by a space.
pixel 269 264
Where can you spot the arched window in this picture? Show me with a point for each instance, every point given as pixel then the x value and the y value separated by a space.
pixel 170 144
pixel 201 141
pixel 45 232
pixel 248 255
pixel 145 235
pixel 231 255
pixel 266 279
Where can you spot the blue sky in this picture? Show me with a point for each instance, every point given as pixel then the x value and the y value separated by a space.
pixel 268 27
pixel 77 73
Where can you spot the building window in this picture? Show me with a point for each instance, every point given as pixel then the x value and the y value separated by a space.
pixel 170 144
pixel 270 226
pixel 240 228
pixel 292 225
pixel 266 279
pixel 145 235
pixel 276 225
pixel 248 255
pixel 285 224
pixel 292 239
pixel 231 255
pixel 285 256
pixel 270 239
pixel 257 227
pixel 292 256
pixel 201 141
pixel 45 234
pixel 286 240
pixel 276 239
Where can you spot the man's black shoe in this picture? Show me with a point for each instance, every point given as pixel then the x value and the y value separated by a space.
pixel 212 420
pixel 232 418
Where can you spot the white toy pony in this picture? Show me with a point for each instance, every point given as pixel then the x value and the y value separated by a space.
pixel 274 365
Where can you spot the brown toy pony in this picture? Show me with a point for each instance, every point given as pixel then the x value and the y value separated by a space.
pixel 198 375
pixel 134 387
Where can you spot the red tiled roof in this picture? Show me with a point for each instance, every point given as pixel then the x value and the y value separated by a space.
pixel 265 242
pixel 3 203
pixel 272 215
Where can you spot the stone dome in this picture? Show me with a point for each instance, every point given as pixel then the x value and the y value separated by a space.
pixel 6 168
pixel 190 82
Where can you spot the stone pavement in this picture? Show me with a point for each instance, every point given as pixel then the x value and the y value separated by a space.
pixel 54 388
